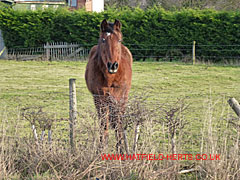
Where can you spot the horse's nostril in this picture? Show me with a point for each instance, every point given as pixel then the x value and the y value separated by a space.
pixel 112 68
pixel 109 65
pixel 115 65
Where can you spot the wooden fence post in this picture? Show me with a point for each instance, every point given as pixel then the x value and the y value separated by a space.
pixel 72 110
pixel 235 105
pixel 194 52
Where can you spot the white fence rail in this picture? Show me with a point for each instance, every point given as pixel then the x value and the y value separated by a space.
pixel 65 51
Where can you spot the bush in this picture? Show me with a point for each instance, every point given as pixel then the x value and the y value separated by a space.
pixel 165 128
pixel 144 31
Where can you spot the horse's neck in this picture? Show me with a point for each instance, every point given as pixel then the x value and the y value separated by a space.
pixel 106 55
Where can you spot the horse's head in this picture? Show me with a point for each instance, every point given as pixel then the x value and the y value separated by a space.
pixel 110 45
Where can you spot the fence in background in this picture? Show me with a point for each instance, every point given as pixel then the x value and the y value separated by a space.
pixel 186 53
pixel 50 52
pixel 37 53
pixel 65 51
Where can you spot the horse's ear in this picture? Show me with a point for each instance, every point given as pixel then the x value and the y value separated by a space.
pixel 104 25
pixel 117 25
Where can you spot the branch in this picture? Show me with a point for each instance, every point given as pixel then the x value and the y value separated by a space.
pixel 235 105
pixel 186 171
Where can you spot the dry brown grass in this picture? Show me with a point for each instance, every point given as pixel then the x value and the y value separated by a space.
pixel 164 129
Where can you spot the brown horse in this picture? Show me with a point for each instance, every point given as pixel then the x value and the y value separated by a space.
pixel 108 76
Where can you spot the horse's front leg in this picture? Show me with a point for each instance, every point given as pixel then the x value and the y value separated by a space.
pixel 104 131
pixel 116 122
pixel 102 111
pixel 119 137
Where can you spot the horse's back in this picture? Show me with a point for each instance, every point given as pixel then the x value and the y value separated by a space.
pixel 91 58
pixel 127 55
pixel 90 65
pixel 92 53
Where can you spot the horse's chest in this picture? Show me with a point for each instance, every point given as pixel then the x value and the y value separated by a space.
pixel 114 85
pixel 114 82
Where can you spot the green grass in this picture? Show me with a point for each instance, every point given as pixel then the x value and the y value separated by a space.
pixel 31 83
pixel 46 83
pixel 206 88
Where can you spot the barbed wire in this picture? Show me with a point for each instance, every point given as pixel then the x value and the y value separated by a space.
pixel 169 51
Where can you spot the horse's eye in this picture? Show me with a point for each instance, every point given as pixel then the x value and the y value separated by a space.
pixel 103 40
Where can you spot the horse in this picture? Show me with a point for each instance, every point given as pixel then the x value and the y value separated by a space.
pixel 108 77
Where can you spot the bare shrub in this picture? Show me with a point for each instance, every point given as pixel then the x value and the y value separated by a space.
pixel 163 128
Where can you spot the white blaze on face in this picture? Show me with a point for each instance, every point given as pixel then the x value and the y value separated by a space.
pixel 108 33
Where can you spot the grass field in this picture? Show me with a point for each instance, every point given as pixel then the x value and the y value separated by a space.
pixel 24 83
pixel 45 84
pixel 206 88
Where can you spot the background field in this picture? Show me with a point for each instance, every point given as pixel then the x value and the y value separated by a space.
pixel 205 88
pixel 45 84
pixel 25 83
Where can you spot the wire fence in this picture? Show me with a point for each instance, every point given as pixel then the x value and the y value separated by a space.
pixel 157 114
pixel 185 53
pixel 185 123
pixel 170 122
pixel 54 99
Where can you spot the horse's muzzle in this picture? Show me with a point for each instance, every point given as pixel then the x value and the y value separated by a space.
pixel 112 67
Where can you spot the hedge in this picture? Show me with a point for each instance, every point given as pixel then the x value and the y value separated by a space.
pixel 147 30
